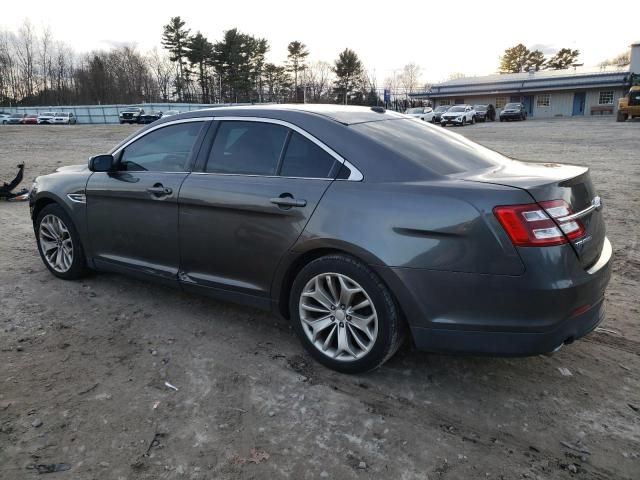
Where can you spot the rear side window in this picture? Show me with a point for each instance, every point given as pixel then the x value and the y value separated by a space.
pixel 166 149
pixel 430 147
pixel 249 148
pixel 304 158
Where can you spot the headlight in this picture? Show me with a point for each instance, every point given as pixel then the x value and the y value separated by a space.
pixel 459 119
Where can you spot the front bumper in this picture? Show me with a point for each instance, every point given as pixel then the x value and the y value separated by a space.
pixel 451 120
pixel 510 116
pixel 471 313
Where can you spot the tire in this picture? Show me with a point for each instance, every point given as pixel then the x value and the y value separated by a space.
pixel 68 270
pixel 621 117
pixel 464 120
pixel 473 120
pixel 364 352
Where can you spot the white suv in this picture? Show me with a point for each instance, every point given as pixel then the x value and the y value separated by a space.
pixel 46 118
pixel 459 115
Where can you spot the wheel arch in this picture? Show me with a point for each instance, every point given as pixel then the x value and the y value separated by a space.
pixel 297 260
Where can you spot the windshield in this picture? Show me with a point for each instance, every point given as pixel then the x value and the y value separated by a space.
pixel 457 109
pixel 480 108
pixel 62 114
pixel 512 106
pixel 415 110
pixel 433 148
pixel 442 108
pixel 132 109
pixel 17 115
pixel 47 114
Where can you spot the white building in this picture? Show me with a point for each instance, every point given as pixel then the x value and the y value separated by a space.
pixel 545 94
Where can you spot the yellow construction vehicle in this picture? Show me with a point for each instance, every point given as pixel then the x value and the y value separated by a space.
pixel 629 105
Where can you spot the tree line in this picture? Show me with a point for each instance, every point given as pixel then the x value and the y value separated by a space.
pixel 35 69
pixel 520 59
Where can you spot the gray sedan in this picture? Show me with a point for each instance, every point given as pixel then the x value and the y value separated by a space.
pixel 364 227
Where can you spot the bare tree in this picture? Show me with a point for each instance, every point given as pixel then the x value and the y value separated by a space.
pixel 163 71
pixel 45 60
pixel 410 77
pixel 318 78
pixel 25 51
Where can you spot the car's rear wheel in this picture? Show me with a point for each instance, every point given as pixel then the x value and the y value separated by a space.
pixel 344 315
pixel 59 243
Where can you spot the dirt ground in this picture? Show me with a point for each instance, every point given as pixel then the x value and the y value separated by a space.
pixel 83 365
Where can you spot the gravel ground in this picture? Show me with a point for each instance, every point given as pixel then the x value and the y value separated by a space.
pixel 83 365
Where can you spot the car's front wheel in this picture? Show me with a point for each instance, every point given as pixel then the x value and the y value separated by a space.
pixel 344 315
pixel 59 243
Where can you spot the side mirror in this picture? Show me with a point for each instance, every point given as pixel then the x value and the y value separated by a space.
pixel 102 163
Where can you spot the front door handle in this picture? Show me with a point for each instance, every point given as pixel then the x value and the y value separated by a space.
pixel 159 190
pixel 288 202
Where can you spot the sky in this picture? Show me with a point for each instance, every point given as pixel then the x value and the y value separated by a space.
pixel 443 38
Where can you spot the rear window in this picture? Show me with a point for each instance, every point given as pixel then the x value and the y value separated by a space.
pixel 433 148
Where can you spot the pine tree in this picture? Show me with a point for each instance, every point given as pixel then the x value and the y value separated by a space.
pixel 565 58
pixel 514 59
pixel 199 54
pixel 536 61
pixel 295 58
pixel 175 38
pixel 348 70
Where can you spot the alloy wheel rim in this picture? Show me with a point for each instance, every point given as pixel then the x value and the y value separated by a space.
pixel 338 317
pixel 55 243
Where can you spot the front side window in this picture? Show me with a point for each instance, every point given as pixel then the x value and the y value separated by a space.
pixel 543 100
pixel 247 148
pixel 304 158
pixel 166 149
pixel 606 98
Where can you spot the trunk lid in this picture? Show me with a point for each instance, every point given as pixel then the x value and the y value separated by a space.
pixel 552 181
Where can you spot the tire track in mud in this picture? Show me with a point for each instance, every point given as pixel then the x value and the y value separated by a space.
pixel 613 341
pixel 388 405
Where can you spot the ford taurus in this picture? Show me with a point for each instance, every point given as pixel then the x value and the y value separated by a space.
pixel 362 226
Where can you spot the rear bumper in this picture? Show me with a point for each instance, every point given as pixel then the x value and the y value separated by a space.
pixel 553 302
pixel 508 343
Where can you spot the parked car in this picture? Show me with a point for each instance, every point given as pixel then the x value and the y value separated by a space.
pixel 409 230
pixel 423 113
pixel 459 115
pixel 46 118
pixel 131 115
pixel 4 118
pixel 16 118
pixel 513 111
pixel 149 117
pixel 485 112
pixel 437 113
pixel 170 113
pixel 30 119
pixel 65 118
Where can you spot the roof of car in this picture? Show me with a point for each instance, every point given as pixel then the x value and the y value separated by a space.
pixel 344 114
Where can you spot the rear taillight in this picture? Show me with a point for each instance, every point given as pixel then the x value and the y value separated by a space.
pixel 538 224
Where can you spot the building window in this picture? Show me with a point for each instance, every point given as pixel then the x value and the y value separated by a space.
pixel 606 98
pixel 543 100
pixel 501 102
pixel 459 101
pixel 445 102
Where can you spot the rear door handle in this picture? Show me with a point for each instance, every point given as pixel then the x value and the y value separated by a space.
pixel 288 202
pixel 159 190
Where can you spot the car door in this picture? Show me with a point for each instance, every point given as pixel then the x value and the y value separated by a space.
pixel 132 213
pixel 260 182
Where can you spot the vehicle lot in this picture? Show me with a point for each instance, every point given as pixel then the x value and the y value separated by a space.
pixel 90 360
